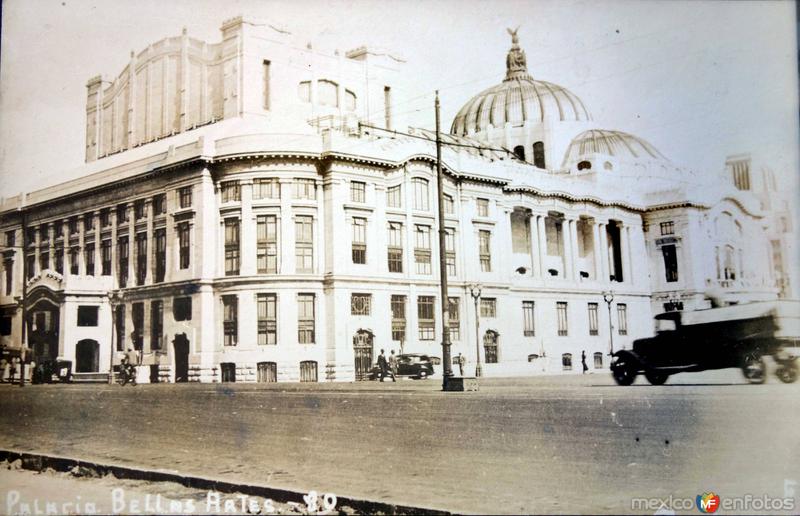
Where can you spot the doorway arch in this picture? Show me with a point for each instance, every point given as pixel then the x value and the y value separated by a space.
pixel 87 356
pixel 490 346
pixel 362 349
pixel 181 348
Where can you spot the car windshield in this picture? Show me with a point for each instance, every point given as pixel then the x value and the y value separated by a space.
pixel 665 325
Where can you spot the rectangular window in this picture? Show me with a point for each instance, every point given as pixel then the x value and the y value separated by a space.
pixel 425 316
pixel 9 268
pixel 5 325
pixel 44 260
pixel 231 192
pixel 105 253
pixel 422 249
pixel 137 317
pixel 184 245
pixel 267 244
pixel 267 319
pixel 667 228
pixel 73 226
pixel 141 258
pixel 87 315
pixel 182 308
pixel 561 312
pixel 528 325
pixel 231 247
pixel 230 320
pixel 160 254
pixel 88 257
pixel 123 260
pixel 105 217
pixel 73 262
pixel 454 322
pixel 156 324
pixel 420 193
pixel 484 250
pixel 483 207
pixel 88 223
pixel 266 372
pixel 308 371
pixel 358 191
pixel 30 237
pixel 30 261
pixel 227 372
pixel 304 243
pixel 670 255
pixel 449 205
pixel 58 229
pixel 395 247
pixel 266 189
pixel 304 189
pixel 359 250
pixel 11 238
pixel 450 251
pixel 360 304
pixel 398 318
pixel 741 173
pixel 566 361
pixel 160 204
pixel 185 197
pixel 122 214
pixel 593 320
pixel 488 307
pixel 394 196
pixel 622 318
pixel 305 319
pixel 265 73
pixel 119 321
pixel 139 211
pixel 598 360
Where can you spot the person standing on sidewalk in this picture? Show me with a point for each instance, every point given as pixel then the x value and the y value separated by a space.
pixel 382 365
pixel 461 363
pixel 583 361
pixel 393 365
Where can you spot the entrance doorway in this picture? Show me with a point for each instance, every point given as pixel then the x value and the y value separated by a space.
pixel 362 349
pixel 181 348
pixel 87 356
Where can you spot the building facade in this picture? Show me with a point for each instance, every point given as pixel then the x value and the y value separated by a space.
pixel 246 214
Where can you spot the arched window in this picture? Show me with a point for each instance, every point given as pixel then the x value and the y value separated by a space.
pixel 566 361
pixel 308 371
pixel 519 151
pixel 327 93
pixel 490 346
pixel 349 100
pixel 598 360
pixel 267 372
pixel 420 187
pixel 538 154
pixel 304 91
pixel 585 165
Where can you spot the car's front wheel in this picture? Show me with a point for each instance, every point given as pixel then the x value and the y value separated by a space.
pixel 754 368
pixel 787 373
pixel 624 370
pixel 656 378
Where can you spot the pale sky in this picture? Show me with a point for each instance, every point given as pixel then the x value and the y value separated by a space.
pixel 699 80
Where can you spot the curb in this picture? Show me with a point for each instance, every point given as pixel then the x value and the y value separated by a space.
pixel 40 462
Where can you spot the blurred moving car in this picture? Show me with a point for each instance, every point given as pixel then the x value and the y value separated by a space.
pixel 412 365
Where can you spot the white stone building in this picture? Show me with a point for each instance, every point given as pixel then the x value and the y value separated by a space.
pixel 234 222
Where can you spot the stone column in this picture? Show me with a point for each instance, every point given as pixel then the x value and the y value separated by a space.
pixel 598 264
pixel 98 260
pixel 624 247
pixel 319 228
pixel 131 245
pixel 604 265
pixel 114 273
pixel 533 228
pixel 542 245
pixel 51 249
pixel 566 236
pixel 171 264
pixel 148 279
pixel 573 236
pixel 247 230
pixel 81 246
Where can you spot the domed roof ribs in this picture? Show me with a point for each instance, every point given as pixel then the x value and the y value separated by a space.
pixel 539 100
pixel 555 99
pixel 522 101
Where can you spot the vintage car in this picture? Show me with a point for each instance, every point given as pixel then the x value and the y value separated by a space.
pixel 412 365
pixel 716 338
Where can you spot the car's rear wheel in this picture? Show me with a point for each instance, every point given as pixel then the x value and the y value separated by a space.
pixel 624 371
pixel 656 378
pixel 787 373
pixel 754 368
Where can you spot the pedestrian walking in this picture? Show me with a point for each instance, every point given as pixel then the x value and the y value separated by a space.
pixel 583 362
pixel 383 365
pixel 393 365
pixel 461 363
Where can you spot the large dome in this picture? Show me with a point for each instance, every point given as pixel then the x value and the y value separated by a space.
pixel 518 99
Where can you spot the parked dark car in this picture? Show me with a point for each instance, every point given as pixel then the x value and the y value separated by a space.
pixel 412 365
pixel 48 371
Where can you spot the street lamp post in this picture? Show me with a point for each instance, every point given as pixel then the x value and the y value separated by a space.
pixel 608 297
pixel 475 292
pixel 111 299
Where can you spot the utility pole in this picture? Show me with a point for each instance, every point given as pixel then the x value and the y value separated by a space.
pixel 447 370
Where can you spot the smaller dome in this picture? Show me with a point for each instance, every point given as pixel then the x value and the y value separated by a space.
pixel 615 144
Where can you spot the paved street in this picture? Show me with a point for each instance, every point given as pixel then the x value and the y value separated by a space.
pixel 546 444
